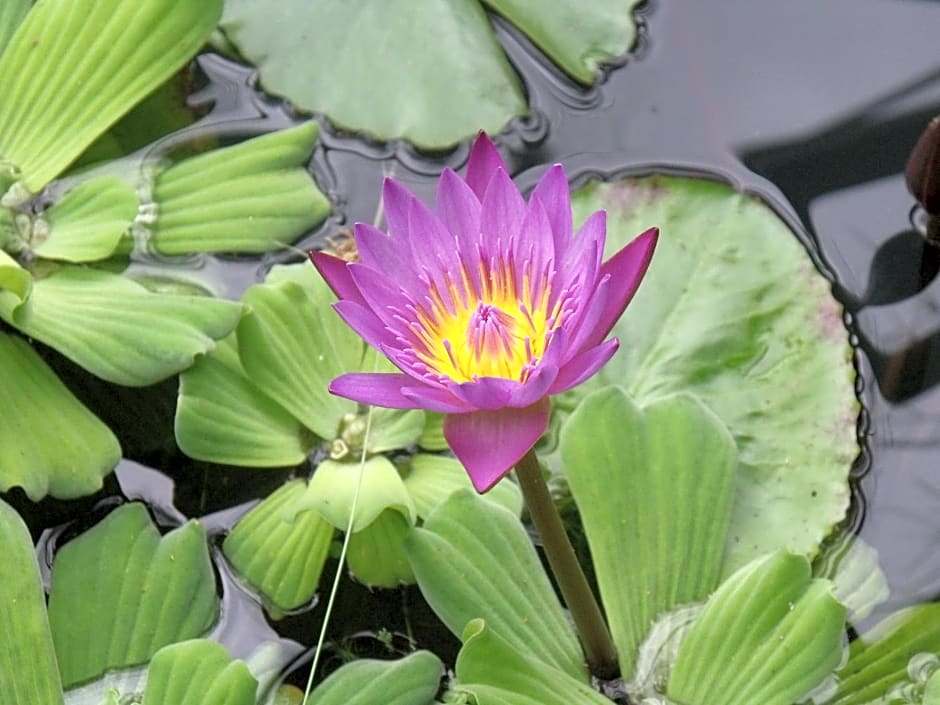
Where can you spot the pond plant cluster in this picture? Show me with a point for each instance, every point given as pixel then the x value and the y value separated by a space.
pixel 706 462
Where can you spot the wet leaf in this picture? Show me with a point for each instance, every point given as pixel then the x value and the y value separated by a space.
pixel 858 581
pixel 16 283
pixel 432 74
pixel 733 311
pixel 473 559
pixel 770 634
pixel 279 551
pixel 413 680
pixel 292 345
pixel 253 197
pixel 49 442
pixel 431 479
pixel 223 417
pixel 376 554
pixel 654 488
pixel 886 657
pixel 87 224
pixel 577 36
pixel 496 671
pixel 198 672
pixel 28 671
pixel 12 13
pixel 74 67
pixel 394 429
pixel 120 591
pixel 333 488
pixel 106 324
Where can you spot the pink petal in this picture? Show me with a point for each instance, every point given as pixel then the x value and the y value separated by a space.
pixel 378 389
pixel 626 270
pixel 336 273
pixel 381 292
pixel 363 320
pixel 433 246
pixel 535 387
pixel 396 201
pixel 533 248
pixel 583 258
pixel 584 365
pixel 386 254
pixel 501 214
pixel 459 209
pixel 484 161
pixel 489 443
pixel 552 191
pixel 434 399
pixel 487 392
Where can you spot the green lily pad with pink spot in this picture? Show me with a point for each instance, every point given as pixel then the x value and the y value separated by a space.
pixel 733 311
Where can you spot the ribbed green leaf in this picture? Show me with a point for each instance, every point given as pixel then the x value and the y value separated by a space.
pixel 198 672
pixel 413 680
pixel 432 73
pixel 117 329
pixel 769 635
pixel 253 197
pixel 293 345
pixel 654 489
pixel 474 559
pixel 932 690
pixel 394 429
pixel 432 438
pixel 578 36
pixel 858 581
pixel 278 551
pixel 12 13
pixel 377 555
pixel 28 671
pixel 496 671
pixel 733 310
pixel 224 418
pixel 333 488
pixel 881 660
pixel 75 66
pixel 120 592
pixel 16 283
pixel 87 224
pixel 431 479
pixel 49 442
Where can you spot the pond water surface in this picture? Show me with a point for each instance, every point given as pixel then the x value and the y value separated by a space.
pixel 814 106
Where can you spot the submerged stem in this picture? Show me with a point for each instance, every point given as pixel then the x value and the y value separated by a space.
pixel 586 613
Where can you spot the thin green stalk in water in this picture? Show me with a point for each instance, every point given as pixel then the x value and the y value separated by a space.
pixel 586 613
pixel 342 560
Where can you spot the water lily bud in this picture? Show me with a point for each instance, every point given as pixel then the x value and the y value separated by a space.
pixel 922 172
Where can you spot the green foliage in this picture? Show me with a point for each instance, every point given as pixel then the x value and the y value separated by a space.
pixel 28 673
pixel 733 310
pixel 654 488
pixel 473 559
pixel 456 79
pixel 413 680
pixel 49 442
pixel 120 591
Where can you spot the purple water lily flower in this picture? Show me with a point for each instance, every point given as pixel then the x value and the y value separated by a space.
pixel 487 305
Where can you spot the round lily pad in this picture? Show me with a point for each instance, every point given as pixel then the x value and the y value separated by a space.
pixel 733 310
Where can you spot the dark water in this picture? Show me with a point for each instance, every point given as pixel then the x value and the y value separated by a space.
pixel 814 106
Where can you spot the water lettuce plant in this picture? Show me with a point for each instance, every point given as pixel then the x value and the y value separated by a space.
pixel 68 72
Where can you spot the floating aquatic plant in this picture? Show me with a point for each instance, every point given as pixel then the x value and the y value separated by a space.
pixel 68 72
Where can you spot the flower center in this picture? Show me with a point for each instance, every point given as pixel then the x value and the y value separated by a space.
pixel 493 325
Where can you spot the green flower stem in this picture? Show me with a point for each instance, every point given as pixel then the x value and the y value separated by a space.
pixel 588 620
